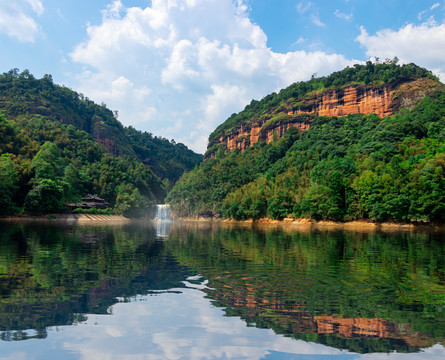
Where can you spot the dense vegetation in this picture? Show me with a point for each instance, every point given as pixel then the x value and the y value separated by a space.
pixel 342 168
pixel 376 74
pixel 51 151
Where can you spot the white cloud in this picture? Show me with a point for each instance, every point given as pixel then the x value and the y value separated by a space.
pixel 36 5
pixel 422 13
pixel 16 20
pixel 299 41
pixel 422 44
pixel 317 21
pixel 179 68
pixel 343 16
pixel 303 7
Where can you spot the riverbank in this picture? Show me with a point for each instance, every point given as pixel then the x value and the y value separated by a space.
pixel 309 223
pixel 69 219
pixel 287 223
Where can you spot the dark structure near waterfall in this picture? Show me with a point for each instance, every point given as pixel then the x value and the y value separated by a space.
pixel 89 202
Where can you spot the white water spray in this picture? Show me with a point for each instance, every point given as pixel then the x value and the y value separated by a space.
pixel 163 212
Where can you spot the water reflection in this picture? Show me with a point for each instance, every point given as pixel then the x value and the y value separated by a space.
pixel 192 293
pixel 365 292
pixel 163 228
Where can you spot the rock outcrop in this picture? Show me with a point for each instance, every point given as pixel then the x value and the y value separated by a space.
pixel 383 100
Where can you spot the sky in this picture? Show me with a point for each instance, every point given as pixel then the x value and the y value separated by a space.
pixel 180 68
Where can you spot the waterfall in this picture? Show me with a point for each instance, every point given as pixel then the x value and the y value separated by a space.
pixel 163 220
pixel 163 212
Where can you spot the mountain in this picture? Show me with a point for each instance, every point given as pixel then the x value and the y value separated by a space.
pixel 382 89
pixel 366 142
pixel 57 145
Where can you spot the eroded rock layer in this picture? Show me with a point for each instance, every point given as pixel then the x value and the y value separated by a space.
pixel 383 100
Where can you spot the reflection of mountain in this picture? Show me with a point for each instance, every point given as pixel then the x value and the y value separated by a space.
pixel 50 276
pixel 268 308
pixel 380 328
pixel 362 292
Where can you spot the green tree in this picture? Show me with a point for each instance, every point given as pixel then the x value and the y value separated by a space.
pixel 130 202
pixel 8 186
pixel 77 179
pixel 48 188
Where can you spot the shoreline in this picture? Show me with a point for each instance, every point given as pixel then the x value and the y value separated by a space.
pixel 287 223
pixel 365 225
pixel 70 219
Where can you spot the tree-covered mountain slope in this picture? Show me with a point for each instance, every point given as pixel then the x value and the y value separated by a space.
pixel 382 89
pixel 340 168
pixel 57 145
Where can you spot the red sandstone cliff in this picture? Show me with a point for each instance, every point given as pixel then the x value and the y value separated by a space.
pixel 382 100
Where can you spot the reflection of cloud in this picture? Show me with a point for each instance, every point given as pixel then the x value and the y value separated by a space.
pixel 436 352
pixel 15 356
pixel 179 324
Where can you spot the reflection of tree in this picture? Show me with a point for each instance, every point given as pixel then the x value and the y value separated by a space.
pixel 23 335
pixel 364 292
pixel 50 276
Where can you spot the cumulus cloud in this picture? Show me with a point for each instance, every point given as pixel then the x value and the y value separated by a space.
pixel 422 44
pixel 180 68
pixel 17 19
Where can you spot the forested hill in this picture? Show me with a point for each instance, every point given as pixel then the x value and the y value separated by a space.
pixel 372 88
pixel 340 168
pixel 57 145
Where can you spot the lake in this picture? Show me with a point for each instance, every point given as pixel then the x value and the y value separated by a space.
pixel 200 291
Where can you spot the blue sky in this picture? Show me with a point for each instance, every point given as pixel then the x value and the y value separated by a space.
pixel 179 68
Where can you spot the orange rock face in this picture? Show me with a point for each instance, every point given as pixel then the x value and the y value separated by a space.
pixel 383 100
pixel 247 135
pixel 354 327
pixel 350 100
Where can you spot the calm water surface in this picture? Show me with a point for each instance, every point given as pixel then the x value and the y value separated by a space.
pixel 183 291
